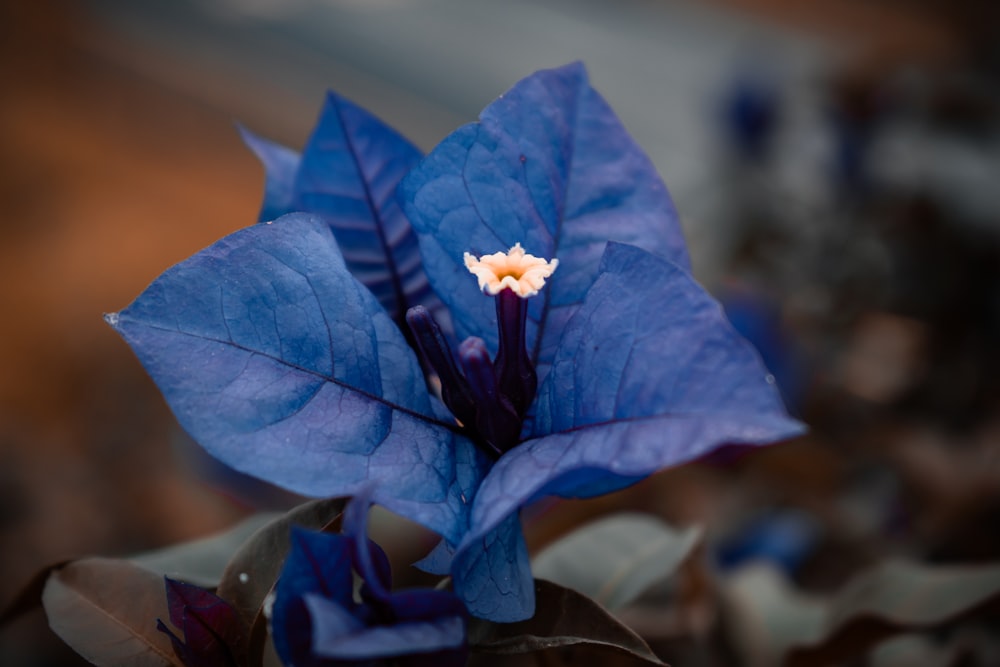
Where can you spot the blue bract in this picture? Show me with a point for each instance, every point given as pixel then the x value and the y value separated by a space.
pixel 348 173
pixel 275 353
pixel 317 620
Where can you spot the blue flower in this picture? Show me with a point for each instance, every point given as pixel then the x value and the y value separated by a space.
pixel 317 620
pixel 282 347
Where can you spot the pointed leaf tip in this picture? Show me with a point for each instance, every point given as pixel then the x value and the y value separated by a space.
pixel 278 362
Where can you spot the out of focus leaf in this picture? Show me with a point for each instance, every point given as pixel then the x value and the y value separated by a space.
pixel 895 596
pixel 772 623
pixel 907 650
pixel 768 615
pixel 254 568
pixel 107 609
pixel 567 629
pixel 616 559
pixel 201 562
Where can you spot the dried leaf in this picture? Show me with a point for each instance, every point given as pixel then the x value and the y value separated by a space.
pixel 106 610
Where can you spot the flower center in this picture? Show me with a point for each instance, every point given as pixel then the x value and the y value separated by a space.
pixel 489 398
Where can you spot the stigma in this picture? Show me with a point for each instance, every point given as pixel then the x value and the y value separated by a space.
pixel 515 270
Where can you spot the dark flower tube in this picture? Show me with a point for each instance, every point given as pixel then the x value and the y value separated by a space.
pixel 497 421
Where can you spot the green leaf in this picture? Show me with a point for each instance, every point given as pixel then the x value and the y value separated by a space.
pixel 106 610
pixel 773 623
pixel 201 562
pixel 567 628
pixel 616 559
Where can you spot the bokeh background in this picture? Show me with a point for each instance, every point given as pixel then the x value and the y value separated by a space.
pixel 836 164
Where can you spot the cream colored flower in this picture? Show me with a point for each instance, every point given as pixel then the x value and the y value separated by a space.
pixel 521 273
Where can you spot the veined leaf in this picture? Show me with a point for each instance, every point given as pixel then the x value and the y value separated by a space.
pixel 107 609
pixel 348 173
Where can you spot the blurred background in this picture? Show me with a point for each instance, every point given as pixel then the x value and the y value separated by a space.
pixel 836 164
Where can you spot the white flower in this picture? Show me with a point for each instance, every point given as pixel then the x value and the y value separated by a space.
pixel 521 273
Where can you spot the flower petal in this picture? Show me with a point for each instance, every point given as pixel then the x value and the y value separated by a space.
pixel 548 165
pixel 283 366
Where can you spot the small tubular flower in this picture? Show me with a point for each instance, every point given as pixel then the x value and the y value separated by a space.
pixel 521 273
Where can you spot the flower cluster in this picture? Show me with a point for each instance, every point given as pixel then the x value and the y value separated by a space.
pixel 316 618
pixel 318 350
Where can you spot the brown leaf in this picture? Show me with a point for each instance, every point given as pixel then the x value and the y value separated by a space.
pixel 106 610
pixel 254 567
